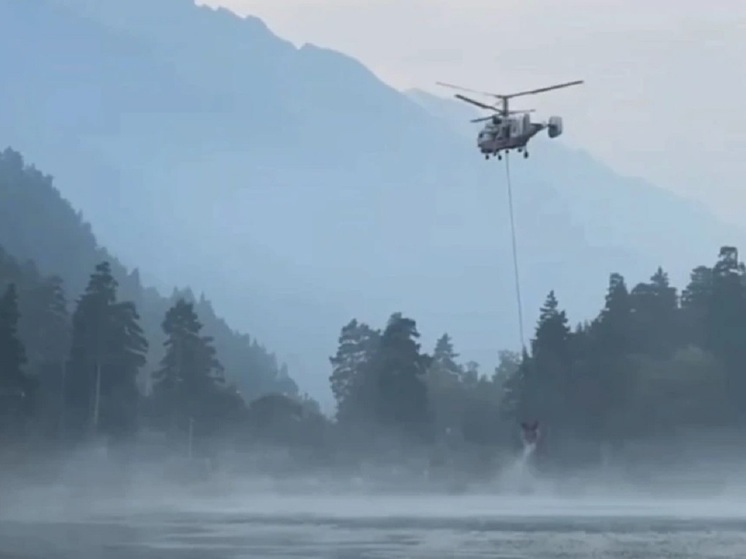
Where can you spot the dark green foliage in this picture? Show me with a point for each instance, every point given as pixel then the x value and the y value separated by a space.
pixel 444 358
pixel 38 225
pixel 12 351
pixel 727 327
pixel 378 379
pixel 44 329
pixel 80 374
pixel 188 388
pixel 651 365
pixel 445 378
pixel 107 352
pixel 655 309
pixel 14 386
pixel 540 388
pixel 277 419
pixel 399 368
pixel 352 380
pixel 648 365
pixel 612 336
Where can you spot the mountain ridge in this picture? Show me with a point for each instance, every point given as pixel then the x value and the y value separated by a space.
pixel 310 193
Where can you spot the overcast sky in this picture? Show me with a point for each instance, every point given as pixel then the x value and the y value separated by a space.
pixel 665 92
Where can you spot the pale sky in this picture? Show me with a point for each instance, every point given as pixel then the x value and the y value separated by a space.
pixel 665 92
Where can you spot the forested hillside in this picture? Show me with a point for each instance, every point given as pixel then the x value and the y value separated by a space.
pixel 658 369
pixel 38 226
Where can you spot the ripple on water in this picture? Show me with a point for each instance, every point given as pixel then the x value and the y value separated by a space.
pixel 392 530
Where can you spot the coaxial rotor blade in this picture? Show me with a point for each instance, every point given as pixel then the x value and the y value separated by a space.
pixel 542 89
pixel 452 86
pixel 477 103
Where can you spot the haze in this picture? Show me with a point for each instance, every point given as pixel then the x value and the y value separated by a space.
pixel 339 371
pixel 663 84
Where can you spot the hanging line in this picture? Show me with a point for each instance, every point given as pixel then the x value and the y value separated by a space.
pixel 515 251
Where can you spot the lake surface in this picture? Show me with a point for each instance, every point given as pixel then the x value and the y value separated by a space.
pixel 255 525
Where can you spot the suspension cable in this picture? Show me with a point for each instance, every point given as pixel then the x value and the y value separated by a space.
pixel 516 270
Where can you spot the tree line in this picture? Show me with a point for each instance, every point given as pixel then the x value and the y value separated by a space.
pixel 79 376
pixel 654 364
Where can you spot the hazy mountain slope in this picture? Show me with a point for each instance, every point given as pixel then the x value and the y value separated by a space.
pixel 307 191
pixel 456 114
pixel 619 212
pixel 38 225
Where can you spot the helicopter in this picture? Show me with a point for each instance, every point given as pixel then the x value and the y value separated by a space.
pixel 506 130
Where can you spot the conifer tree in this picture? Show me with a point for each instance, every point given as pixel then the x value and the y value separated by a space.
pixel 551 363
pixel 445 387
pixel 13 381
pixel 399 369
pixel 107 351
pixel 656 316
pixel 351 380
pixel 187 386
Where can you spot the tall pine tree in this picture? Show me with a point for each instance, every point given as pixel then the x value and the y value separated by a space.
pixel 696 308
pixel 552 364
pixel 107 352
pixel 351 379
pixel 187 387
pixel 445 386
pixel 727 330
pixel 656 318
pixel 613 337
pixel 13 381
pixel 46 329
pixel 399 368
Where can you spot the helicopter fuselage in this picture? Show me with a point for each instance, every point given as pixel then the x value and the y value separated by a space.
pixel 505 134
pixel 492 140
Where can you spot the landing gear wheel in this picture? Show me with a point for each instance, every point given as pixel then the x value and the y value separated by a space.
pixel 487 156
pixel 499 157
pixel 525 155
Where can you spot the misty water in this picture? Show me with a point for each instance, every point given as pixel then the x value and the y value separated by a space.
pixel 517 516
